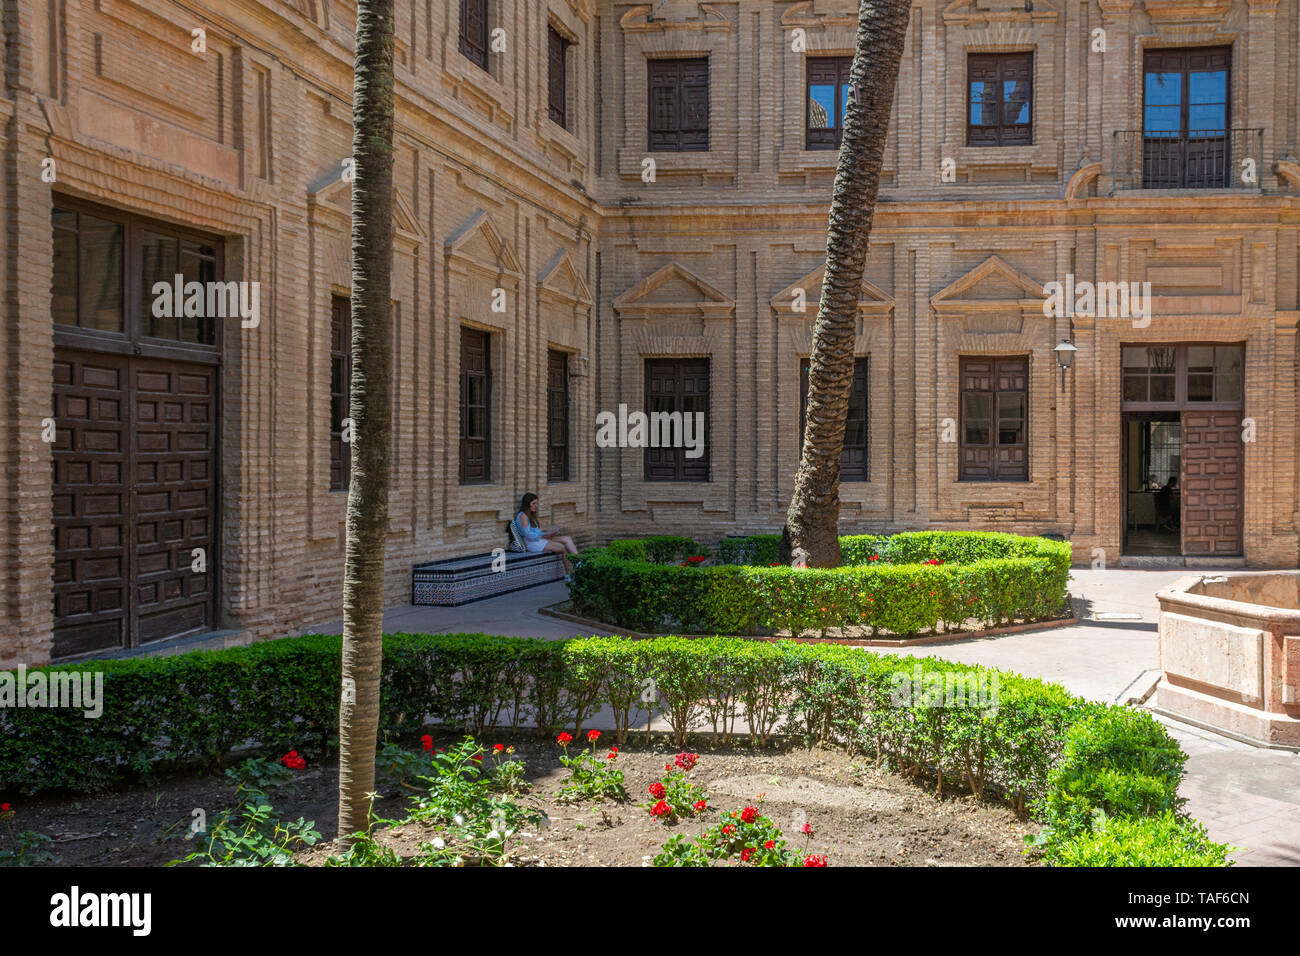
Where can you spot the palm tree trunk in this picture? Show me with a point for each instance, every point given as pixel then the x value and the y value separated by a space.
pixel 811 530
pixel 372 266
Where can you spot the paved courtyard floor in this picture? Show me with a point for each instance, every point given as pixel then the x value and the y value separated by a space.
pixel 1246 796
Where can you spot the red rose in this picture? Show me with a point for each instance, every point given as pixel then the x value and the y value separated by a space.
pixel 661 809
pixel 657 790
pixel 749 814
pixel 427 741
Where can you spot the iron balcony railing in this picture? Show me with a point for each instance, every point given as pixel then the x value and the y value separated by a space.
pixel 1192 159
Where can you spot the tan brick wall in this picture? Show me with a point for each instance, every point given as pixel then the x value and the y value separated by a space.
pixel 247 139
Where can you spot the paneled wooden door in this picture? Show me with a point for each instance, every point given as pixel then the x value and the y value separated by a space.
pixel 1212 483
pixel 135 494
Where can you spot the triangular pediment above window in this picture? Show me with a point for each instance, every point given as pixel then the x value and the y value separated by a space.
pixel 561 282
pixel 873 300
pixel 334 194
pixel 674 290
pixel 991 286
pixel 480 246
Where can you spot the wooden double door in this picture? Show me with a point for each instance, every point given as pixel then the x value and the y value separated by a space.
pixel 135 500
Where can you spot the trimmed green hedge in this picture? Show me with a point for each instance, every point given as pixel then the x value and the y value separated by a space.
pixel 1084 768
pixel 903 584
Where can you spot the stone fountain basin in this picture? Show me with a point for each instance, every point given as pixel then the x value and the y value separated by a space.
pixel 1230 655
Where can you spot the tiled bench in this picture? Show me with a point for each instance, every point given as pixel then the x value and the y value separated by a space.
pixel 458 581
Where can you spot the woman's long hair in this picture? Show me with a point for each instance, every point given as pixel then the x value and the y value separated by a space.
pixel 525 506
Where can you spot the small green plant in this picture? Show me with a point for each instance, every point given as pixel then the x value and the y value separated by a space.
pixel 252 834
pixel 507 774
pixel 260 774
pixel 674 797
pixel 590 777
pixel 365 850
pixel 744 836
pixel 681 850
pixel 25 847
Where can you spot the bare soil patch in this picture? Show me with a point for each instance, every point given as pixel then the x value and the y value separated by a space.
pixel 861 815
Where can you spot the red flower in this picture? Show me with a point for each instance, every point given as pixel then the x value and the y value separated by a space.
pixel 668 766
pixel 661 809
pixel 874 557
pixel 814 860
pixel 806 828
pixel 701 806
pixel 749 814
pixel 745 854
pixel 686 760
pixel 612 754
pixel 477 758
pixel 6 808
pixel 593 736
pixel 427 741
pixel 729 829
pixel 769 845
pixel 657 790
pixel 564 739
pixel 497 748
pixel 293 761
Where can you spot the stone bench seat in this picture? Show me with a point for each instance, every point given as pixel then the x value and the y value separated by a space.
pixel 456 581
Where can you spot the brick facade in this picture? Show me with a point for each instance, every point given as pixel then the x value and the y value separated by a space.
pixel 246 142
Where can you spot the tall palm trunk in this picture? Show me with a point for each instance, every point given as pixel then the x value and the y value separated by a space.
pixel 811 530
pixel 372 266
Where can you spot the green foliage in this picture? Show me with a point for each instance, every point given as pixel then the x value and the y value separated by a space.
pixel 252 834
pixel 591 777
pixel 902 584
pixel 1169 839
pixel 1120 762
pixel 23 847
pixel 1032 743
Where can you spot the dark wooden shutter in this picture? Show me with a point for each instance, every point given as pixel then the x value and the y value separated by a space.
pixel 475 406
pixel 340 390
pixel 994 439
pixel 557 416
pixel 474 30
pixel 678 104
pixel 677 385
pixel 855 458
pixel 824 132
pixel 1005 90
pixel 557 48
pixel 1212 482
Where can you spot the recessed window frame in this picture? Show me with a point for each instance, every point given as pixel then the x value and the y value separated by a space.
pixel 557 76
pixel 683 375
pixel 557 416
pixel 829 137
pixel 474 32
pixel 994 470
pixel 340 390
pixel 859 398
pixel 680 77
pixel 470 473
pixel 1000 65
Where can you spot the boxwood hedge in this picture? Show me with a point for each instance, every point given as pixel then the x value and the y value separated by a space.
pixel 1103 778
pixel 902 584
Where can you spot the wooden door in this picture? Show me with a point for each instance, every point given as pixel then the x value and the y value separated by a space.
pixel 1212 483
pixel 134 495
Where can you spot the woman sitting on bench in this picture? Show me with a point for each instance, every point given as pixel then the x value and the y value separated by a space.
pixel 537 540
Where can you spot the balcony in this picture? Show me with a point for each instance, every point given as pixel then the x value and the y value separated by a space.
pixel 1191 159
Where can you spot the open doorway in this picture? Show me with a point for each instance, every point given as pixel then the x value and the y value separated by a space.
pixel 1153 460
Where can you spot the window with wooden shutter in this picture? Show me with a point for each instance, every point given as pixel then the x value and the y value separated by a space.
pixel 557 47
pixel 474 31
pixel 677 385
pixel 1000 104
pixel 855 457
pixel 994 419
pixel 475 406
pixel 828 97
pixel 557 416
pixel 678 104
pixel 340 390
